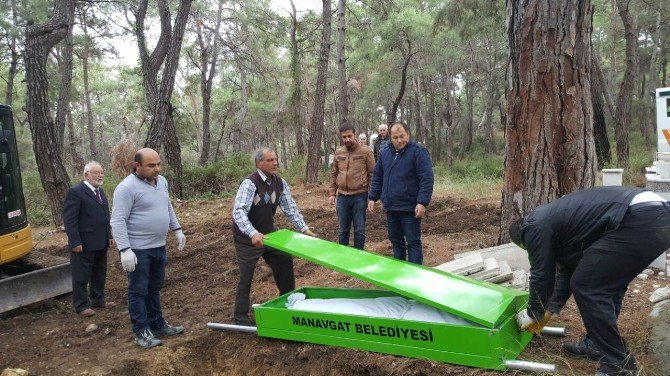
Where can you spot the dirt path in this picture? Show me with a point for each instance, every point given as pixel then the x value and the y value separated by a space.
pixel 50 339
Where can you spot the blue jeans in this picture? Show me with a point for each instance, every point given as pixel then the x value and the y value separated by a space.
pixel 352 209
pixel 405 235
pixel 144 286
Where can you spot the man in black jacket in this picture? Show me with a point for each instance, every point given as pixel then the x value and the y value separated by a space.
pixel 86 220
pixel 600 239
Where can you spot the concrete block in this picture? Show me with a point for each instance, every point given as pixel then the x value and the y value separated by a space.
pixel 505 273
pixel 464 266
pixel 660 294
pixel 516 257
pixel 520 280
pixel 491 269
pixel 659 263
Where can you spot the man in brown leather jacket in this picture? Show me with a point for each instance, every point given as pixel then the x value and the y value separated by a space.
pixel 349 182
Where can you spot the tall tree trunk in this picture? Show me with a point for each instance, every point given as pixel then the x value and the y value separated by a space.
pixel 295 103
pixel 392 111
pixel 316 129
pixel 13 58
pixel 343 109
pixel 40 39
pixel 466 142
pixel 602 142
pixel 87 91
pixel 597 74
pixel 162 130
pixel 238 128
pixel 649 101
pixel 549 136
pixel 63 105
pixel 489 99
pixel 625 98
pixel 207 74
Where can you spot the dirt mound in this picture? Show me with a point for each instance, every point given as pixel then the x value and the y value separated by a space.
pixel 49 338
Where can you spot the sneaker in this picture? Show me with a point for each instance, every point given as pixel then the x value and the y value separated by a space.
pixel 146 339
pixel 168 330
pixel 582 349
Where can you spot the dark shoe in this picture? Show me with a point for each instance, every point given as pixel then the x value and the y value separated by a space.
pixel 619 373
pixel 88 312
pixel 107 305
pixel 168 330
pixel 582 349
pixel 146 339
pixel 243 321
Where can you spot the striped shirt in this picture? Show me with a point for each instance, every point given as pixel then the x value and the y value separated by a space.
pixel 244 200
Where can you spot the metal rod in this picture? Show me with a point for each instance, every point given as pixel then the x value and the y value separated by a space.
pixel 234 328
pixel 522 365
pixel 555 331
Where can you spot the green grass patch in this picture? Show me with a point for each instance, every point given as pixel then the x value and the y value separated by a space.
pixel 471 177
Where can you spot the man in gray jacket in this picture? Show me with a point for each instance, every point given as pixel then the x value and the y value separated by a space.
pixel 142 214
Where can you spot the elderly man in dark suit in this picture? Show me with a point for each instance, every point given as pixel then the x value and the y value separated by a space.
pixel 86 219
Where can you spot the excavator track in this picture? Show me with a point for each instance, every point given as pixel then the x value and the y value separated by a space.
pixel 33 278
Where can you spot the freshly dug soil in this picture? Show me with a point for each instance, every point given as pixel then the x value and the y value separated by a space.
pixel 49 338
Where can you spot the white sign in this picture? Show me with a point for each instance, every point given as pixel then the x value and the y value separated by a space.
pixel 14 213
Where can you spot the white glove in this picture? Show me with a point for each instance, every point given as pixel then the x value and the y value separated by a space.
pixel 523 319
pixel 181 238
pixel 128 260
pixel 528 324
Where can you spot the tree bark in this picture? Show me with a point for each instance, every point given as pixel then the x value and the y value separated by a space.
pixel 209 54
pixel 13 58
pixel 625 98
pixel 602 142
pixel 466 142
pixel 65 89
pixel 343 107
pixel 40 39
pixel 295 103
pixel 392 112
pixel 649 101
pixel 239 134
pixel 316 129
pixel 549 137
pixel 87 91
pixel 162 130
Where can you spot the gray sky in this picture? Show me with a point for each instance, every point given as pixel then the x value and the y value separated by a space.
pixel 127 46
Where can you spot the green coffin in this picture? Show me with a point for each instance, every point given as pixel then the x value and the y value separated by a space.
pixel 493 307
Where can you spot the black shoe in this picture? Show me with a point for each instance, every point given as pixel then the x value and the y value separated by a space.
pixel 146 339
pixel 582 349
pixel 243 322
pixel 168 330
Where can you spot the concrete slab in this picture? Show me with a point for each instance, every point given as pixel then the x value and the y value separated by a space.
pixel 520 280
pixel 505 273
pixel 660 262
pixel 659 341
pixel 491 269
pixel 516 257
pixel 464 266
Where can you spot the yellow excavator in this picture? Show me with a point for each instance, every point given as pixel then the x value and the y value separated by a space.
pixel 21 282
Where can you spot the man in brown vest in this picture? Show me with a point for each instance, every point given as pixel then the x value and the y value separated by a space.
pixel 256 202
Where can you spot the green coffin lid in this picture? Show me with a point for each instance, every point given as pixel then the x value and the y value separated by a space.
pixel 480 302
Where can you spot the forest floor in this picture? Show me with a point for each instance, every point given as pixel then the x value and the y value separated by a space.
pixel 49 338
